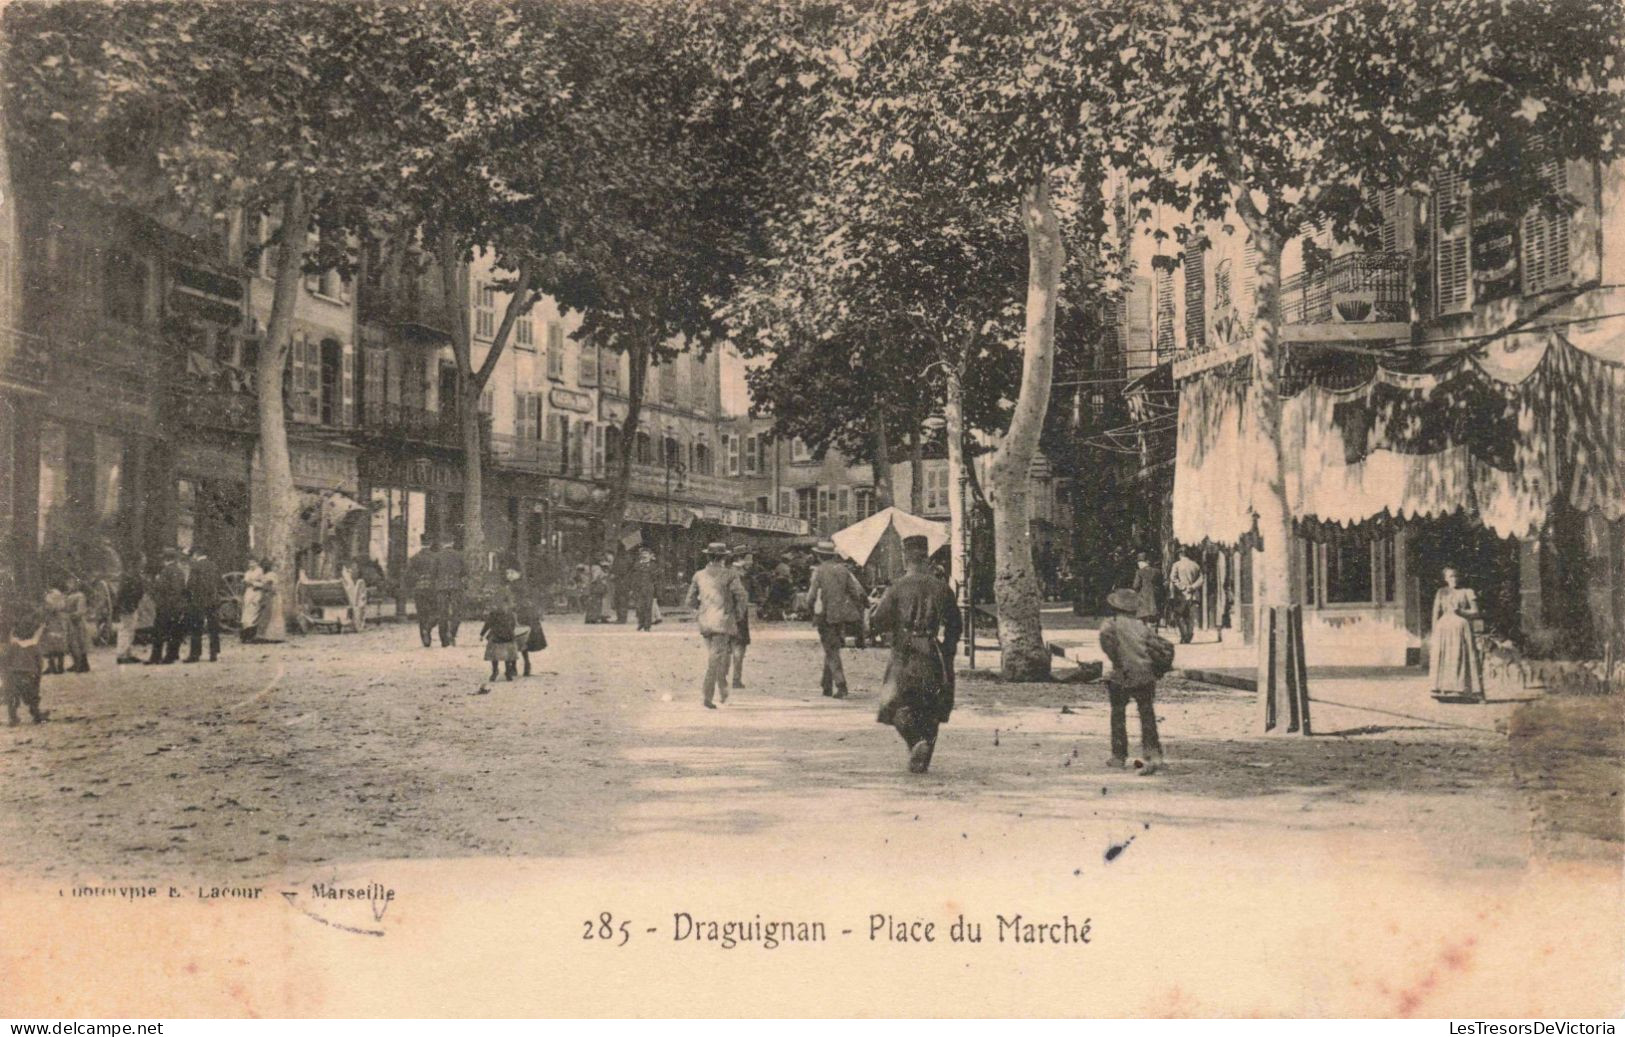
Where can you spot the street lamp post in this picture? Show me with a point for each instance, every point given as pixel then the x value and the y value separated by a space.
pixel 674 466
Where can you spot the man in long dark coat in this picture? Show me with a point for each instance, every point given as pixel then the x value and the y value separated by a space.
pixel 204 589
pixel 169 596
pixel 450 573
pixel 919 691
pixel 421 573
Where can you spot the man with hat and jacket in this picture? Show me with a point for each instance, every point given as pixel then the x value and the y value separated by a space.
pixel 169 597
pixel 919 690
pixel 1138 657
pixel 204 589
pixel 450 572
pixel 718 596
pixel 837 600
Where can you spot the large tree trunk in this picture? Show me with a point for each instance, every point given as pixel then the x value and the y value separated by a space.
pixel 916 472
pixel 885 495
pixel 953 409
pixel 278 505
pixel 1273 576
pixel 620 483
pixel 450 256
pixel 1016 589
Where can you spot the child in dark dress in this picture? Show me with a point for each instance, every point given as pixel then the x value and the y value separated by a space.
pixel 21 652
pixel 498 633
pixel 528 636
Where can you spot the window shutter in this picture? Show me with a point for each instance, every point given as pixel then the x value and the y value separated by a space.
pixel 1165 313
pixel 347 412
pixel 1452 248
pixel 1195 299
pixel 1545 237
pixel 786 503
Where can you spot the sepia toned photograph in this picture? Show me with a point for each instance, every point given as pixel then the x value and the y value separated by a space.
pixel 812 509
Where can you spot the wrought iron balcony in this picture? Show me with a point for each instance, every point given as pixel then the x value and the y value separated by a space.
pixel 530 455
pixel 401 422
pixel 1355 288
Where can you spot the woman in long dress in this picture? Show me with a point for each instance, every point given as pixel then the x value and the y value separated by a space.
pixel 259 585
pixel 1456 671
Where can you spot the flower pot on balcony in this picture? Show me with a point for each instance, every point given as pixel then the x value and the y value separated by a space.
pixel 1355 307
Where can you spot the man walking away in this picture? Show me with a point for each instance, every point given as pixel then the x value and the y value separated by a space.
pixel 1148 588
pixel 642 580
pixel 1138 657
pixel 450 572
pixel 741 639
pixel 204 588
pixel 132 587
pixel 421 572
pixel 718 597
pixel 837 599
pixel 919 690
pixel 169 596
pixel 1185 580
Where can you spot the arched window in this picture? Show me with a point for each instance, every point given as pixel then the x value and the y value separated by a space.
pixel 702 459
pixel 645 449
pixel 612 444
pixel 673 451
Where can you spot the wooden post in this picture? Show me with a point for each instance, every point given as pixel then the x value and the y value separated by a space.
pixel 1283 692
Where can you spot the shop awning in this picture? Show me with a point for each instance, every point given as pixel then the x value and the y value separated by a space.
pixel 858 541
pixel 1500 436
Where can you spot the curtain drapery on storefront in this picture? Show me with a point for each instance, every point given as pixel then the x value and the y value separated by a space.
pixel 1500 436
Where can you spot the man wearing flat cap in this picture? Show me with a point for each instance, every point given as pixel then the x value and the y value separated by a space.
pixel 717 596
pixel 837 601
pixel 1138 657
pixel 919 691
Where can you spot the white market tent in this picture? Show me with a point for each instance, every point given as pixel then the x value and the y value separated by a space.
pixel 860 540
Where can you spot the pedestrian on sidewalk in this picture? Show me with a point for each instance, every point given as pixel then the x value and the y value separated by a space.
pixel 837 600
pixel 642 588
pixel 420 572
pixel 450 575
pixel 1185 581
pixel 919 687
pixel 132 587
pixel 1456 672
pixel 741 639
pixel 76 623
pixel 527 612
pixel 1148 589
pixel 1138 657
pixel 169 595
pixel 22 666
pixel 53 641
pixel 204 589
pixel 498 632
pixel 718 596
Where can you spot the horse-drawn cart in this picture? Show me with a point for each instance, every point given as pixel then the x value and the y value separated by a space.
pixel 332 606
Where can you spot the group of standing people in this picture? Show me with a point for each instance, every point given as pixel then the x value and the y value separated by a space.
pixel 180 601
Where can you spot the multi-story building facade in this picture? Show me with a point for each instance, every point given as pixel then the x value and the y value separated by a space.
pixel 1447 401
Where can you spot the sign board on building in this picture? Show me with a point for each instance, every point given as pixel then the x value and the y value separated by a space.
pixel 569 399
pixel 657 513
pixel 739 519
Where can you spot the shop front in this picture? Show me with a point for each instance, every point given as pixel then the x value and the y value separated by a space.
pixel 1505 465
pixel 407 499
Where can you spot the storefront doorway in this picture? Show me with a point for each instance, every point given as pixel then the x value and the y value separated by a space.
pixel 1487 563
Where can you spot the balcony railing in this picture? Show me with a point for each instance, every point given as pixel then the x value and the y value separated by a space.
pixel 531 455
pixel 1356 288
pixel 650 481
pixel 203 408
pixel 413 424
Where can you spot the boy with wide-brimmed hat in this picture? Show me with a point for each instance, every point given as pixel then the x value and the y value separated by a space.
pixel 1138 657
